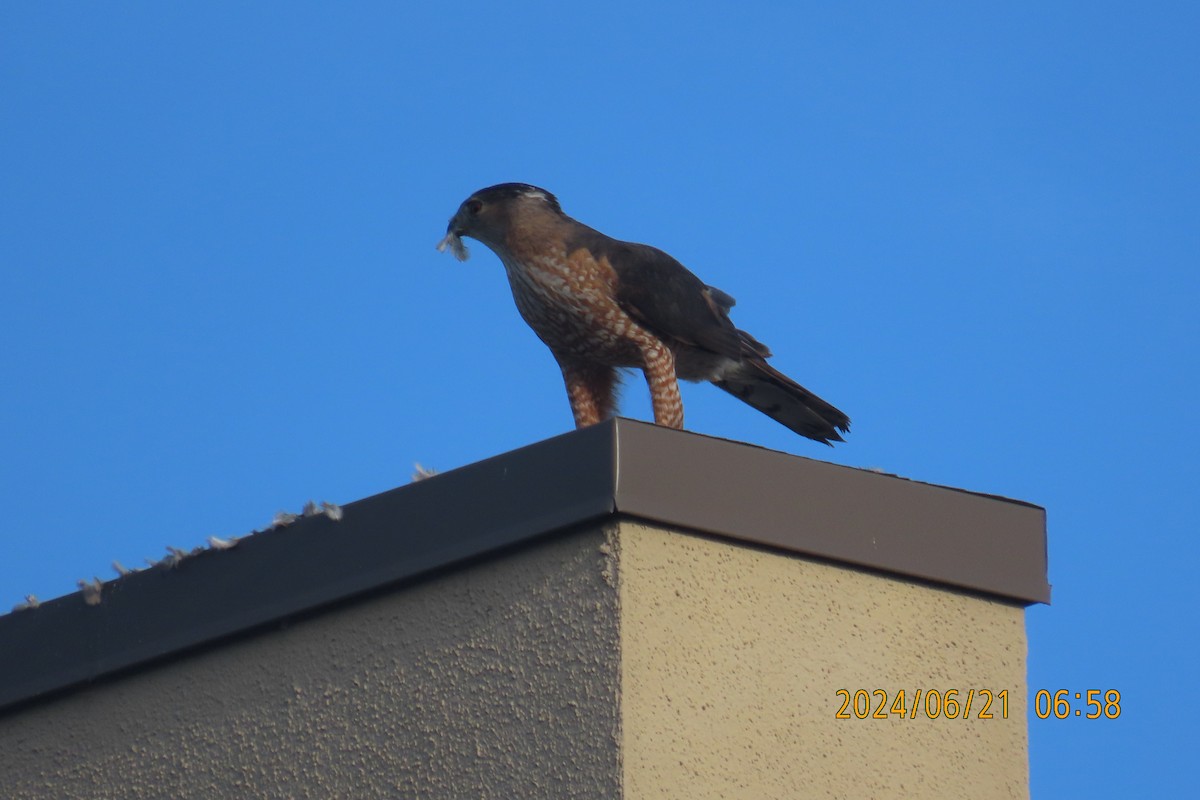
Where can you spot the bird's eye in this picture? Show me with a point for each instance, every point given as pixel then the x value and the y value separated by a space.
pixel 473 206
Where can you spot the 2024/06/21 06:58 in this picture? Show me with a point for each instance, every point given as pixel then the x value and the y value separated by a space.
pixel 959 703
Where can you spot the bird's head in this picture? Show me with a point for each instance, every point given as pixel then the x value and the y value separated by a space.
pixel 488 215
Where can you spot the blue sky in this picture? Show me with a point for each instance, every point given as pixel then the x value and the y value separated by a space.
pixel 974 227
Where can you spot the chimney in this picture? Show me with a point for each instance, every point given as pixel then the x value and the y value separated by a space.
pixel 622 611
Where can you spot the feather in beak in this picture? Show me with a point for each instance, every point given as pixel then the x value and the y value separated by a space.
pixel 453 241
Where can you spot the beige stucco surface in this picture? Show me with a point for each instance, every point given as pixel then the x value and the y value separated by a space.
pixel 498 680
pixel 621 661
pixel 732 655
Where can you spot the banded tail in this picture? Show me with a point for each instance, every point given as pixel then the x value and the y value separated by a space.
pixel 760 385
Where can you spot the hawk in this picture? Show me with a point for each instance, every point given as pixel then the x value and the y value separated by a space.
pixel 601 304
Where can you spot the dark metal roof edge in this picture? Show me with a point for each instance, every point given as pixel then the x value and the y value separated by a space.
pixel 391 537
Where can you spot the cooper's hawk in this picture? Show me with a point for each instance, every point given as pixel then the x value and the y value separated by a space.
pixel 600 304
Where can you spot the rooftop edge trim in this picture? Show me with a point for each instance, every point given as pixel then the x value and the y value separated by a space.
pixel 947 536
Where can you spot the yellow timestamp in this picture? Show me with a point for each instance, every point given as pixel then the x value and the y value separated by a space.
pixel 928 703
pixel 1093 704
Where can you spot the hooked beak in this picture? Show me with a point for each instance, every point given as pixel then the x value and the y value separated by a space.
pixel 455 225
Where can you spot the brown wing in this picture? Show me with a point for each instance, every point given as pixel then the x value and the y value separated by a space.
pixel 666 297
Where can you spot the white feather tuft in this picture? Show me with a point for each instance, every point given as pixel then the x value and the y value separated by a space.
pixel 31 601
pixel 91 591
pixel 174 557
pixel 283 519
pixel 455 243
pixel 421 473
